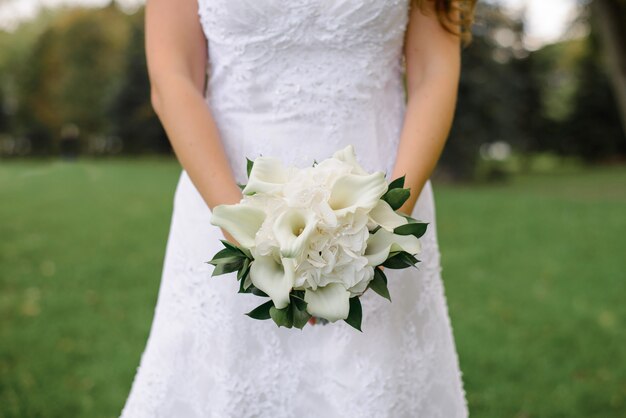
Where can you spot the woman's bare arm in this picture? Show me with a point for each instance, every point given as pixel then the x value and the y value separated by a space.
pixel 433 63
pixel 176 55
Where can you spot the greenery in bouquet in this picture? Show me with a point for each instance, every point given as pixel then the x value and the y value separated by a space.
pixel 314 239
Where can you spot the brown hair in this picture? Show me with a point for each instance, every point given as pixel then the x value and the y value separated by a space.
pixel 456 16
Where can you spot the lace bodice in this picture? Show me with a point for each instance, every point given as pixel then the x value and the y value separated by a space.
pixel 298 80
pixel 328 70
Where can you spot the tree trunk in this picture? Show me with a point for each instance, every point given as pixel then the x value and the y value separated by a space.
pixel 609 19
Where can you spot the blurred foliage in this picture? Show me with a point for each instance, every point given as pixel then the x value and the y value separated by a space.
pixel 79 74
pixel 579 112
pixel 495 94
pixel 69 74
pixel 83 70
pixel 591 128
pixel 131 110
pixel 15 49
pixel 557 72
pixel 557 99
pixel 4 113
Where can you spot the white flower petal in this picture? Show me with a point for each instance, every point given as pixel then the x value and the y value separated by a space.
pixel 353 191
pixel 385 216
pixel 330 302
pixel 326 214
pixel 366 276
pixel 382 242
pixel 293 229
pixel 242 222
pixel 347 155
pixel 268 175
pixel 328 171
pixel 273 278
pixel 408 243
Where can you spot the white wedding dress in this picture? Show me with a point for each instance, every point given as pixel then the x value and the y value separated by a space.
pixel 298 79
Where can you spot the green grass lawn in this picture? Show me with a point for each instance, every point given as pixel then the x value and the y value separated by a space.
pixel 534 274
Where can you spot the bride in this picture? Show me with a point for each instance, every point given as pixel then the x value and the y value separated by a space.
pixel 298 80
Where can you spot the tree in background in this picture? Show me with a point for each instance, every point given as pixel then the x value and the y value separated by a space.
pixel 16 65
pixel 81 73
pixel 4 117
pixel 70 74
pixel 133 119
pixel 496 95
pixel 578 109
pixel 4 99
pixel 609 22
pixel 593 130
pixel 557 99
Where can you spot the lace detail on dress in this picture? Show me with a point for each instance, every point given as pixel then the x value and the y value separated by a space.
pixel 286 66
pixel 298 79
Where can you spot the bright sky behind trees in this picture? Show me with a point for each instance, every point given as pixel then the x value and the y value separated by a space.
pixel 546 20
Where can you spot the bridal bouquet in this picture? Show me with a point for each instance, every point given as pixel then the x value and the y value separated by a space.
pixel 314 239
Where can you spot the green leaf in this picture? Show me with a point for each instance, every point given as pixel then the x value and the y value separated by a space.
pixel 240 250
pixel 225 255
pixel 416 229
pixel 396 197
pixel 249 165
pixel 258 292
pixel 408 218
pixel 241 186
pixel 225 252
pixel 261 311
pixel 379 284
pixel 228 260
pixel 282 317
pixel 229 245
pixel 400 260
pixel 356 313
pixel 244 270
pixel 397 183
pixel 227 268
pixel 298 302
pixel 243 288
pixel 300 316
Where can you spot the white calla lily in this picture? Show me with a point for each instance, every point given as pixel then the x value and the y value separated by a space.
pixel 364 277
pixel 274 278
pixel 386 217
pixel 353 191
pixel 268 175
pixel 347 155
pixel 293 230
pixel 241 221
pixel 331 302
pixel 383 242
